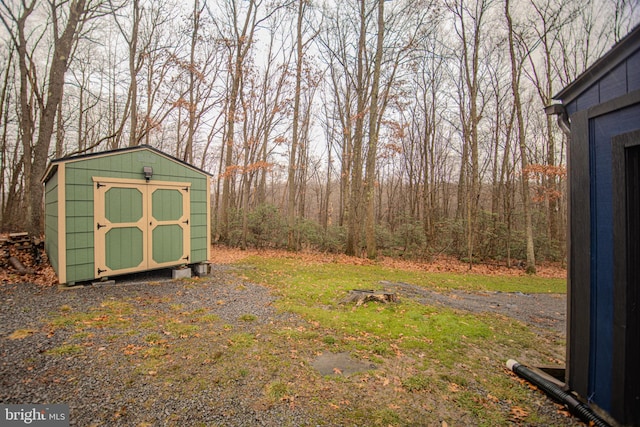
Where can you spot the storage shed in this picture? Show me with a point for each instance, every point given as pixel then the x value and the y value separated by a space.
pixel 601 112
pixel 124 211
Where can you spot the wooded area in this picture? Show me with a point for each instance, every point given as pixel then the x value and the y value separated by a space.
pixel 403 127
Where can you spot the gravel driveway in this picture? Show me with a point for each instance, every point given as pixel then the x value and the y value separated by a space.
pixel 543 311
pixel 54 364
pixel 116 353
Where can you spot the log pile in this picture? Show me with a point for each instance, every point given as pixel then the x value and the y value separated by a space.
pixel 4 251
pixel 19 246
pixel 361 296
pixel 22 258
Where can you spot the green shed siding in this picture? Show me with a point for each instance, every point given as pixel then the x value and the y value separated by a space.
pixel 51 221
pixel 86 271
pixel 199 222
pixel 79 203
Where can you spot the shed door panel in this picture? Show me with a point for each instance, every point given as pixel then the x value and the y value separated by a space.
pixel 140 225
pixel 124 238
pixel 120 228
pixel 169 225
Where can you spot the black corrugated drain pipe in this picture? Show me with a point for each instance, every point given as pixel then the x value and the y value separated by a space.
pixel 574 406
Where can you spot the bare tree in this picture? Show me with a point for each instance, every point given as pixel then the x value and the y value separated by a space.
pixel 369 184
pixel 238 36
pixel 406 115
pixel 5 104
pixel 264 110
pixel 66 21
pixel 340 95
pixel 425 124
pixel 516 72
pixel 239 42
pixel 291 180
pixel 547 22
pixel 354 210
pixel 160 68
pixel 193 76
pixel 135 63
pixel 469 26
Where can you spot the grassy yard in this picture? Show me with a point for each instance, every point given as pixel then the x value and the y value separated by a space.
pixel 433 361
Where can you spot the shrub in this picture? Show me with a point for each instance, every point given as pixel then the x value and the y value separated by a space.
pixel 309 233
pixel 333 239
pixel 267 226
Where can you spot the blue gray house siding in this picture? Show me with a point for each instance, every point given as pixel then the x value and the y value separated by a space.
pixel 603 106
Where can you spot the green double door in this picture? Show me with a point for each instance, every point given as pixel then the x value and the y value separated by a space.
pixel 140 225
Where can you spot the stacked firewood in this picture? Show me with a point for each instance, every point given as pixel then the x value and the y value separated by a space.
pixel 22 253
pixel 4 253
pixel 23 259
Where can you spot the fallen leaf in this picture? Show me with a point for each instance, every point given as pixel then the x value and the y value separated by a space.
pixel 454 388
pixel 517 413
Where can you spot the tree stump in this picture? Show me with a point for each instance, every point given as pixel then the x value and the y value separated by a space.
pixel 361 296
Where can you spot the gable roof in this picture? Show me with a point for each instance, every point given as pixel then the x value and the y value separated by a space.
pixel 53 165
pixel 616 55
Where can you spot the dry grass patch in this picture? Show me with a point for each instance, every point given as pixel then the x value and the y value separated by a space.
pixel 20 334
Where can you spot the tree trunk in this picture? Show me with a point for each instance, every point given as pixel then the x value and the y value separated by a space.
pixel 4 119
pixel 291 179
pixel 27 122
pixel 59 64
pixel 515 80
pixel 243 41
pixel 354 226
pixel 370 231
pixel 133 72
pixel 188 150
